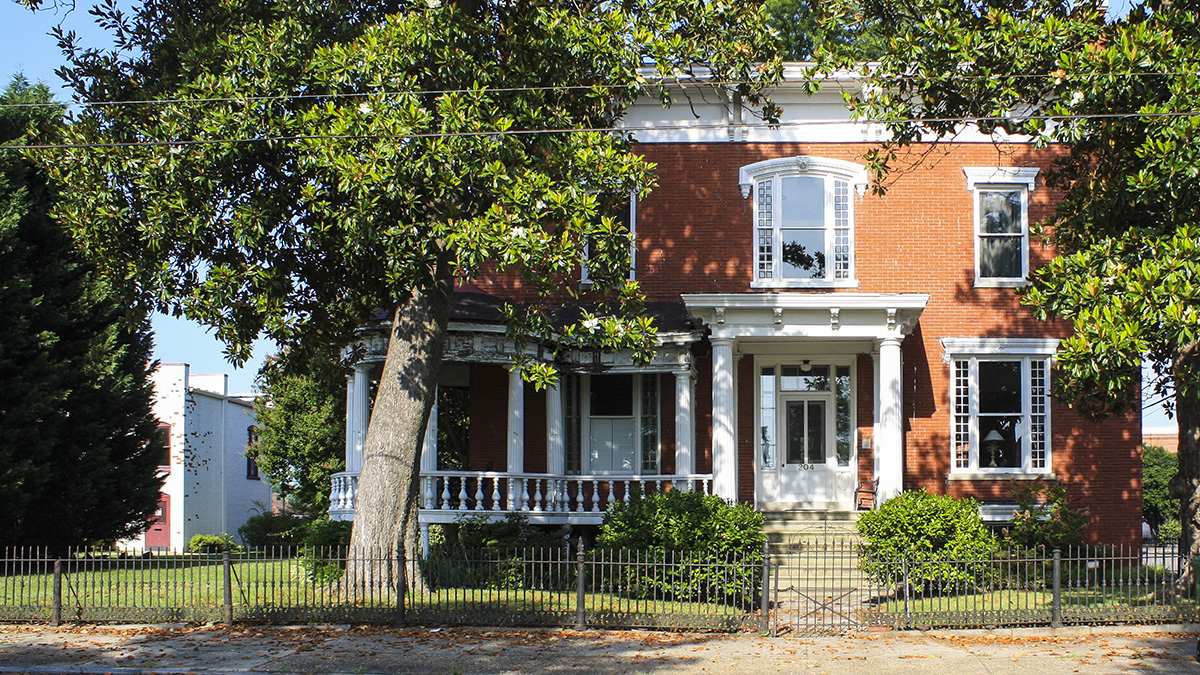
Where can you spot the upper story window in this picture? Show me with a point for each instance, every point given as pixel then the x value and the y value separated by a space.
pixel 1000 404
pixel 1001 223
pixel 625 217
pixel 803 220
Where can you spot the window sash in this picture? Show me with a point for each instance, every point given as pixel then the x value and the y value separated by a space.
pixel 1001 237
pixel 968 421
pixel 645 417
pixel 773 238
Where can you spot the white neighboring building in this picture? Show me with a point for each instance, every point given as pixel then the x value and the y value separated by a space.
pixel 211 486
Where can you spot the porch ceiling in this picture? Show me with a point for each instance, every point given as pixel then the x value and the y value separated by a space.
pixel 828 316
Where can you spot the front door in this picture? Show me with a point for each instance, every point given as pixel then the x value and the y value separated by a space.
pixel 807 416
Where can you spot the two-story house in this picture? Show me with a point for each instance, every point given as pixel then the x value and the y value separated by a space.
pixel 816 339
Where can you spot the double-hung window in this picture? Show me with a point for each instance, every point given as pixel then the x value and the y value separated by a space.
pixel 625 219
pixel 1001 222
pixel 612 423
pixel 1000 404
pixel 803 220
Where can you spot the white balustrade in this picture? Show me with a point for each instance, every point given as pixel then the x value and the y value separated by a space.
pixel 551 498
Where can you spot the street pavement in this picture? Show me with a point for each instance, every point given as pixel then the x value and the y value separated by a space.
pixel 216 650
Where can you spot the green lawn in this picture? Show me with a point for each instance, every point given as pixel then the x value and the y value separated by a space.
pixel 192 588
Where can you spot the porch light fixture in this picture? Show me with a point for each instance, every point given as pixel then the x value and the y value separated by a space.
pixel 991 444
pixel 805 366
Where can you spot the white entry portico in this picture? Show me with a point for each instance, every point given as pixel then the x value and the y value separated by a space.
pixel 804 347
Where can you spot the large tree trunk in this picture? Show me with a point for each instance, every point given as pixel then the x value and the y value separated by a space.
pixel 386 506
pixel 1186 484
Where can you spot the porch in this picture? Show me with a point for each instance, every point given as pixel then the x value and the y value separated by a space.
pixel 545 499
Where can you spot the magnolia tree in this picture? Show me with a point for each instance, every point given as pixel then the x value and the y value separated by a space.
pixel 1119 97
pixel 290 168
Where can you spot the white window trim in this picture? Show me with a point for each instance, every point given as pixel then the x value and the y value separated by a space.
pixel 585 425
pixel 803 165
pixel 1025 350
pixel 981 179
pixel 632 276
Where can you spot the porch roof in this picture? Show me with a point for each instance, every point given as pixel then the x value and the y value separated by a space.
pixel 807 315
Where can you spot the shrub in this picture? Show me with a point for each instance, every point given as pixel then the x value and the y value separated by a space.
pixel 1045 518
pixel 267 529
pixel 1171 530
pixel 212 543
pixel 943 539
pixel 478 552
pixel 682 546
pixel 324 546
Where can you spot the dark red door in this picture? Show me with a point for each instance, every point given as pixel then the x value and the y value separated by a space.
pixel 159 534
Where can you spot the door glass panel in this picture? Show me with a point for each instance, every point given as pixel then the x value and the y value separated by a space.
pixel 766 385
pixel 815 427
pixel 844 432
pixel 795 432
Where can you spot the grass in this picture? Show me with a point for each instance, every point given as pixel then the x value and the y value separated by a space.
pixel 192 588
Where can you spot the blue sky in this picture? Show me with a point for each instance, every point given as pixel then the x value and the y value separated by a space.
pixel 26 47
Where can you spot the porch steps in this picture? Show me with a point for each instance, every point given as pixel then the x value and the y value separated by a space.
pixel 815 551
pixel 784 529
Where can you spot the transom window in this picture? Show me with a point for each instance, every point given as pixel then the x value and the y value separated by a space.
pixel 803 220
pixel 1001 224
pixel 1000 402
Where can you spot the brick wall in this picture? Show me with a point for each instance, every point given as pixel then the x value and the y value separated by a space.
pixel 694 234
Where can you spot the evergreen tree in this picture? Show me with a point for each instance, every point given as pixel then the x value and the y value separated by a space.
pixel 77 449
pixel 301 418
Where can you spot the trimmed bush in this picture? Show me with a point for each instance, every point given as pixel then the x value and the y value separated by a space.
pixel 324 544
pixel 943 539
pixel 682 546
pixel 273 529
pixel 212 543
pixel 478 552
pixel 1044 518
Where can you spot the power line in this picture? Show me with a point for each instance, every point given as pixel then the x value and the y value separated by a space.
pixel 629 129
pixel 566 88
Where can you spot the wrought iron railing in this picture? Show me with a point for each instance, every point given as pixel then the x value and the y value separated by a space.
pixel 828 585
pixel 562 586
pixel 815 585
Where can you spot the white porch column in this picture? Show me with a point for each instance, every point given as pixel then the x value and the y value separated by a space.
pixel 724 420
pixel 516 432
pixel 556 450
pixel 351 420
pixel 429 449
pixel 362 415
pixel 685 424
pixel 889 440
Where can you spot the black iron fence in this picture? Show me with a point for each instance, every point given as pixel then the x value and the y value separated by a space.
pixel 814 586
pixel 826 585
pixel 567 586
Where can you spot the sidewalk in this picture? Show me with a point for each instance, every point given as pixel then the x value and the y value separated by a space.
pixel 366 650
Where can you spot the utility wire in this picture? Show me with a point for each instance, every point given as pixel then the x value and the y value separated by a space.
pixel 566 88
pixel 628 129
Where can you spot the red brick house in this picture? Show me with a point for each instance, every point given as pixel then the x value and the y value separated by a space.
pixel 816 340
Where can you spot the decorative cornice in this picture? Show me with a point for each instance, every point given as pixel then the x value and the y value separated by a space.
pixel 855 173
pixel 1000 175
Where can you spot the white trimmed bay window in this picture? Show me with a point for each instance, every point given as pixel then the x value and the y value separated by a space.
pixel 803 220
pixel 1000 405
